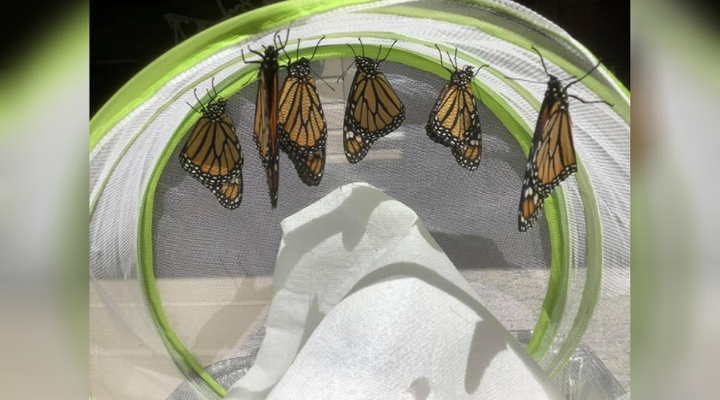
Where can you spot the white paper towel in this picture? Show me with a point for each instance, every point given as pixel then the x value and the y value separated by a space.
pixel 367 306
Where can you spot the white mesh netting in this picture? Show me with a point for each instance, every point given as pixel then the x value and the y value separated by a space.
pixel 214 267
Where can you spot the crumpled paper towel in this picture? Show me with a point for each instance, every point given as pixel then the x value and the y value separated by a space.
pixel 367 306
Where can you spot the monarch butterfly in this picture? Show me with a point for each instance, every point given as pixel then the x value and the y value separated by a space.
pixel 266 113
pixel 552 156
pixel 212 154
pixel 453 121
pixel 373 108
pixel 303 131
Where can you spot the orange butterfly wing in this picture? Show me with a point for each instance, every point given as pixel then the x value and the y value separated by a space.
pixel 552 159
pixel 373 110
pixel 212 153
pixel 301 119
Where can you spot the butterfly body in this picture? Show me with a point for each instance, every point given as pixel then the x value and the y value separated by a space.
pixel 373 109
pixel 266 118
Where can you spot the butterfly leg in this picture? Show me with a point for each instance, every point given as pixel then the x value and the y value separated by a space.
pixel 589 102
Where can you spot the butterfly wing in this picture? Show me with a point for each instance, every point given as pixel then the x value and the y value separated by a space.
pixel 381 109
pixel 468 154
pixel 554 158
pixel 230 193
pixel 454 117
pixel 432 125
pixel 530 202
pixel 356 145
pixel 373 111
pixel 212 153
pixel 310 167
pixel 301 121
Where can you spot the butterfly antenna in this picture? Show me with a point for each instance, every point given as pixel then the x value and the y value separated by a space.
pixel 351 64
pixel 584 76
pixel 456 63
pixel 542 60
pixel 378 54
pixel 210 96
pixel 478 70
pixel 191 106
pixel 242 53
pixel 451 60
pixel 287 36
pixel 362 46
pixel 276 38
pixel 353 50
pixel 316 47
pixel 196 98
pixel 286 54
pixel 442 64
pixel 212 83
pixel 590 102
pixel 388 53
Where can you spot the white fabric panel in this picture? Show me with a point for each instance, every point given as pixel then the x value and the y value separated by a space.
pixel 471 215
pixel 366 305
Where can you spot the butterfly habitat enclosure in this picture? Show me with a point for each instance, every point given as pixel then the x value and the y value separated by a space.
pixel 181 286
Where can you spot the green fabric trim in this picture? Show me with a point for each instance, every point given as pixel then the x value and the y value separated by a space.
pixel 512 12
pixel 241 78
pixel 593 277
pixel 612 76
pixel 145 250
pixel 145 84
pixel 185 55
pixel 553 308
pixel 513 84
pixel 150 120
pixel 188 53
pixel 146 276
pixel 604 92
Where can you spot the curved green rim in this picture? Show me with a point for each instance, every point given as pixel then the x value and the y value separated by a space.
pixel 605 93
pixel 377 35
pixel 149 81
pixel 554 301
pixel 185 55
